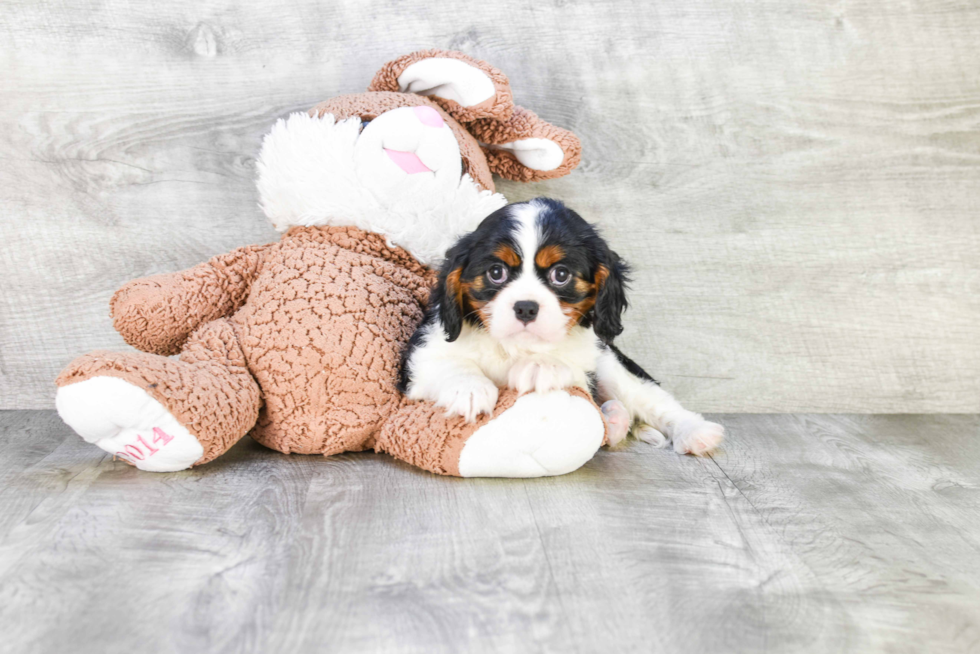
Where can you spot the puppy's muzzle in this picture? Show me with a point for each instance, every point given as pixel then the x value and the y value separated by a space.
pixel 526 311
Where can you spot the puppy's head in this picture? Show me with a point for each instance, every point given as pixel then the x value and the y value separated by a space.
pixel 530 273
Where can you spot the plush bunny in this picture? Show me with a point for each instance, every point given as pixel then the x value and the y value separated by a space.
pixel 298 342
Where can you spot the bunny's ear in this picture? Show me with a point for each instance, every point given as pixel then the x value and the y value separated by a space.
pixel 525 148
pixel 466 88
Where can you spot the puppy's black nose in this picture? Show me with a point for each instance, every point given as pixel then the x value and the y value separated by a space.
pixel 526 311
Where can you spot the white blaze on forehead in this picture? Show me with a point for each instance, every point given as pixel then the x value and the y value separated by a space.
pixel 527 236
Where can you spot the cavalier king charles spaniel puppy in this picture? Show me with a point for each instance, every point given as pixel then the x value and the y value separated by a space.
pixel 533 300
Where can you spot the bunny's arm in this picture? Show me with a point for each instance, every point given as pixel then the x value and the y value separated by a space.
pixel 156 314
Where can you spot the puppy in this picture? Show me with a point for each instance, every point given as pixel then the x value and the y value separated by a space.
pixel 533 300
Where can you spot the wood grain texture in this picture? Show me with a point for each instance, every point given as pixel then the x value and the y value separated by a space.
pixel 807 533
pixel 795 182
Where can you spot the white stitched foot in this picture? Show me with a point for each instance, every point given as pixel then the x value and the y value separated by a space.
pixel 696 436
pixel 617 421
pixel 124 420
pixel 543 434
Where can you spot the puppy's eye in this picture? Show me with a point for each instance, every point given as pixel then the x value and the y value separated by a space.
pixel 497 274
pixel 559 276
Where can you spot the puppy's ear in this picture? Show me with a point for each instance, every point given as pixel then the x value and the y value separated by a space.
pixel 611 278
pixel 449 289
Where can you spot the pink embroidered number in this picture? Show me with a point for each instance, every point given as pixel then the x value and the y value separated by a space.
pixel 160 436
pixel 132 452
pixel 147 446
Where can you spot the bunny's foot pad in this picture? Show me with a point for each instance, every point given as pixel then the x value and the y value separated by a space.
pixel 541 435
pixel 125 421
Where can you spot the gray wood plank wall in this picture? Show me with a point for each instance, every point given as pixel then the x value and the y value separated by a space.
pixel 795 181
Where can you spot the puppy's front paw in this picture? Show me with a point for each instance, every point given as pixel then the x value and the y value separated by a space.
pixel 468 396
pixel 697 437
pixel 528 376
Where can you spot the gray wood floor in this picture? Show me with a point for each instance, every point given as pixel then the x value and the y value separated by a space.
pixel 808 533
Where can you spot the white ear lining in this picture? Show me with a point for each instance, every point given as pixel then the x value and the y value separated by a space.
pixel 538 154
pixel 451 79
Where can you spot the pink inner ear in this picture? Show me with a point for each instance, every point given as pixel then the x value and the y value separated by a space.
pixel 429 116
pixel 408 161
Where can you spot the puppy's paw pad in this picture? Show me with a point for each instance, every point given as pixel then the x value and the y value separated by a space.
pixel 699 439
pixel 648 434
pixel 617 420
pixel 468 397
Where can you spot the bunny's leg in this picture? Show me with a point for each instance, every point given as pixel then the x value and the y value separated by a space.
pixel 162 414
pixel 532 435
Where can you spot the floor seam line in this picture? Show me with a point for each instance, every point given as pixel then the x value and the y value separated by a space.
pixel 544 550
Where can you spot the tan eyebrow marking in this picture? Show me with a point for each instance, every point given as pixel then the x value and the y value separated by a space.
pixel 549 255
pixel 506 254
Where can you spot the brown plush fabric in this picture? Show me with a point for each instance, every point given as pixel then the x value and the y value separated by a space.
pixel 422 435
pixel 428 439
pixel 369 106
pixel 157 314
pixel 329 311
pixel 524 124
pixel 324 328
pixel 498 107
pixel 209 389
